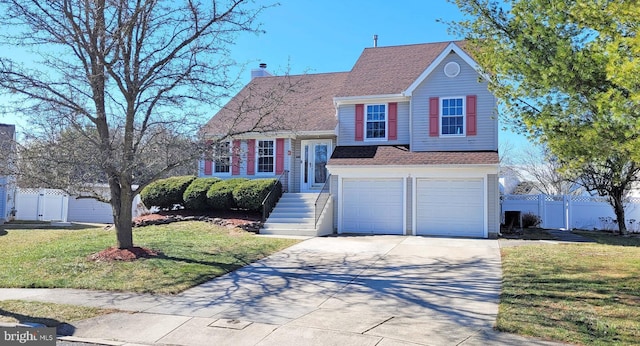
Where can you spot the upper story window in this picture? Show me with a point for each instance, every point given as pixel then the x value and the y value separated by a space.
pixel 452 116
pixel 266 156
pixel 376 122
pixel 222 157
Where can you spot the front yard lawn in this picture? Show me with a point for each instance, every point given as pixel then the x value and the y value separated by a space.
pixel 193 253
pixel 576 293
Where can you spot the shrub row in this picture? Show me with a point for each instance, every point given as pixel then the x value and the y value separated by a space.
pixel 208 193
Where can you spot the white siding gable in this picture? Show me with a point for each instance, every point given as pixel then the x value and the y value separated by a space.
pixel 437 84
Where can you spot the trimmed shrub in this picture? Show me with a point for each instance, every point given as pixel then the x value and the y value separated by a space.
pixel 249 195
pixel 166 193
pixel 220 194
pixel 195 196
pixel 530 220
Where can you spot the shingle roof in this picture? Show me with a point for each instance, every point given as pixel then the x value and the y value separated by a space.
pixel 295 103
pixel 305 102
pixel 400 155
pixel 390 70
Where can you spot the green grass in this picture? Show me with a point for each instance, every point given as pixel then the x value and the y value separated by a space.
pixel 577 293
pixel 49 314
pixel 194 252
pixel 609 239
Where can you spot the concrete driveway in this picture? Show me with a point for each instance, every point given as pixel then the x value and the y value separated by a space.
pixel 360 290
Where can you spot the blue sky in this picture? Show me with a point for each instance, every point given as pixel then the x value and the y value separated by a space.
pixel 304 36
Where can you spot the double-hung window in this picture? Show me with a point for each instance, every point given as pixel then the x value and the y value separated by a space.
pixel 266 156
pixel 452 116
pixel 376 122
pixel 222 157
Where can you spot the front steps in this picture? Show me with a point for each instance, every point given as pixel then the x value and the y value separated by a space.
pixel 293 215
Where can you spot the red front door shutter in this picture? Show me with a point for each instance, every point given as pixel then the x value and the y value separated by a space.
pixel 208 167
pixel 279 155
pixel 235 157
pixel 434 114
pixel 393 121
pixel 472 117
pixel 359 122
pixel 251 157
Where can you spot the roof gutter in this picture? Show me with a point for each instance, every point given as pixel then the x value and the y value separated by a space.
pixel 349 100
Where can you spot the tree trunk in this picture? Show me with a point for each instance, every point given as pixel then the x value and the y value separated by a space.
pixel 121 202
pixel 618 208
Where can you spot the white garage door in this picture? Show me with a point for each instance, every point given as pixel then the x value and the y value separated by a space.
pixel 450 207
pixel 89 210
pixel 372 206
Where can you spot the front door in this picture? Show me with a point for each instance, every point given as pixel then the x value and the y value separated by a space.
pixel 315 154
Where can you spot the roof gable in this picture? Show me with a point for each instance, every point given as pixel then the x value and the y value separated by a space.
pixel 453 47
pixel 394 70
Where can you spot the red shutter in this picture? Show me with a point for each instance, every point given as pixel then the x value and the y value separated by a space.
pixel 235 157
pixel 393 121
pixel 359 122
pixel 434 114
pixel 279 155
pixel 251 157
pixel 208 164
pixel 472 116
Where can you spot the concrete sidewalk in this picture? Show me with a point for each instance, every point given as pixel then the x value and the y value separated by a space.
pixel 378 290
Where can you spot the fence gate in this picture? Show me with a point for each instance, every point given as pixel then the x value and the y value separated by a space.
pixel 41 205
pixel 553 212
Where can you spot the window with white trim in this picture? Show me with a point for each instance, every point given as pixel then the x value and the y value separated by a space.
pixel 375 122
pixel 452 116
pixel 266 158
pixel 222 157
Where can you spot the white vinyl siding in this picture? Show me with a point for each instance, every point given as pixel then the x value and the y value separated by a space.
pixel 468 82
pixel 493 204
pixel 450 207
pixel 372 206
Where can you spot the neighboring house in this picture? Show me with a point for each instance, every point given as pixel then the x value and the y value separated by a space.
pixel 408 137
pixel 7 182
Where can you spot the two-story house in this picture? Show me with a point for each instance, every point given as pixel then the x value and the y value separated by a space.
pixel 406 143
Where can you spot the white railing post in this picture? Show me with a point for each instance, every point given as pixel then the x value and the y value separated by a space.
pixel 566 202
pixel 541 210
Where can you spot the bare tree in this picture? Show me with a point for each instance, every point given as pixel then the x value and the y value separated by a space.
pixel 52 159
pixel 118 73
pixel 7 149
pixel 613 178
pixel 538 165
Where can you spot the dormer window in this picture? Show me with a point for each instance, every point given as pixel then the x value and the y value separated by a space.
pixel 452 116
pixel 376 122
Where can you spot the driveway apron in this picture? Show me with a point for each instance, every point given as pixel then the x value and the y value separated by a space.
pixel 356 290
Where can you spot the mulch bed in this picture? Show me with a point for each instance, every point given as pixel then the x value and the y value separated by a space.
pixel 231 218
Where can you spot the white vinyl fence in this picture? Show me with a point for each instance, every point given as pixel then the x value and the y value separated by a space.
pixel 56 205
pixel 569 212
pixel 41 205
